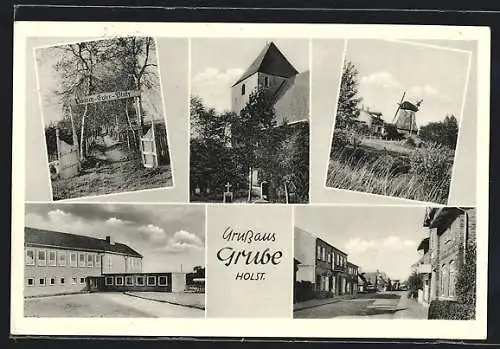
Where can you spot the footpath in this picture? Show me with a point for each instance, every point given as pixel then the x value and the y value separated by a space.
pixel 408 308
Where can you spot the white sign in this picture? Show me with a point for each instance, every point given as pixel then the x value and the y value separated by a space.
pixel 108 96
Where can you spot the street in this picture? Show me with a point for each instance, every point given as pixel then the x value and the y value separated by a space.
pixel 383 305
pixel 109 304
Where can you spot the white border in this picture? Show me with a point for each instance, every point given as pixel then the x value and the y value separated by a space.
pixel 299 328
pixel 164 113
pixel 462 108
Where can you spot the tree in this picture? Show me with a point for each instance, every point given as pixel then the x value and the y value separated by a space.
pixel 213 162
pixel 253 129
pixel 415 283
pixel 443 132
pixel 348 103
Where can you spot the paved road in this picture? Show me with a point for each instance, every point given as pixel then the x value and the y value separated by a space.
pixel 104 305
pixel 387 305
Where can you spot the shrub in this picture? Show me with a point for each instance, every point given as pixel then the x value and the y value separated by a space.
pixel 432 163
pixel 304 290
pixel 340 138
pixel 410 142
pixel 465 286
pixel 448 310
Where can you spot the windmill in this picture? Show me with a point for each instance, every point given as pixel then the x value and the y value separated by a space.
pixel 404 118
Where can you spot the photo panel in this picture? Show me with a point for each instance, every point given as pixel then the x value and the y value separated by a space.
pixel 398 119
pixel 249 129
pixel 423 267
pixel 98 99
pixel 114 260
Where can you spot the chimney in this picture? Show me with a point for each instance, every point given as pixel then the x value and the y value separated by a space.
pixel 110 240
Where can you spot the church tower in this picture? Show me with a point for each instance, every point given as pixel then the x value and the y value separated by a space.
pixel 269 70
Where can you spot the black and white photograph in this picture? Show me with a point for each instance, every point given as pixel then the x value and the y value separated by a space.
pixel 396 262
pixel 114 260
pixel 103 116
pixel 398 118
pixel 249 124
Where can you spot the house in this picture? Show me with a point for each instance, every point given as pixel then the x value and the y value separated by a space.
pixel 443 250
pixel 372 121
pixel 58 263
pixel 377 279
pixel 352 278
pixel 321 266
pixel 289 89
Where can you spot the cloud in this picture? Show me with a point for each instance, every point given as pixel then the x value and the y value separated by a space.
pixel 357 245
pixel 381 79
pixel 114 221
pixel 154 232
pixel 214 76
pixel 428 91
pixel 214 86
pixel 182 241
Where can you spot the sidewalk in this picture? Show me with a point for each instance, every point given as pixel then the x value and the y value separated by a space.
pixel 315 303
pixel 190 300
pixel 410 309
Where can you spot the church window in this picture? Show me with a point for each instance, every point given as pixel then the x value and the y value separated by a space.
pixel 266 81
pixel 243 89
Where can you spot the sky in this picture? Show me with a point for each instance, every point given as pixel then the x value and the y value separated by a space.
pixel 48 80
pixel 374 237
pixel 170 237
pixel 216 64
pixel 387 69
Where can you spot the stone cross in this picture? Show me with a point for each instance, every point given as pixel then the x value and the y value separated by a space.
pixel 227 186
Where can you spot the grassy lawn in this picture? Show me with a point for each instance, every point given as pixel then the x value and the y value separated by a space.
pixel 399 171
pixel 112 177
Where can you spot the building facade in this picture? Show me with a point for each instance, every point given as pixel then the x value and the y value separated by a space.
pixel 59 263
pixel 272 71
pixel 322 265
pixel 443 250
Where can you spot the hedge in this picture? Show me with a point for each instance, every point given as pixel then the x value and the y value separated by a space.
pixel 450 310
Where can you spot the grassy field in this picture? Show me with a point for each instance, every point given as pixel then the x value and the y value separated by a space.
pixel 391 168
pixel 120 174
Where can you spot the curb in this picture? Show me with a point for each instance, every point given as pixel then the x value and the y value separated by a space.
pixel 56 294
pixel 317 305
pixel 164 301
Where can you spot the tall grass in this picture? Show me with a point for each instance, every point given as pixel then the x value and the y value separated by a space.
pixel 424 175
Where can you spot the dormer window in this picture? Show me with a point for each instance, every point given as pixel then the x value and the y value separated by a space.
pixel 243 89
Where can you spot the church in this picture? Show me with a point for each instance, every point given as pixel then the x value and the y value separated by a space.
pixel 289 88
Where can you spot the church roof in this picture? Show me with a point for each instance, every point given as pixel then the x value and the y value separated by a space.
pixel 270 61
pixel 292 101
pixel 49 238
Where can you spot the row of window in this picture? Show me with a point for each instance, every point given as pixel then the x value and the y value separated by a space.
pixel 136 281
pixel 323 255
pixel 61 258
pixel 52 281
pixel 448 279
